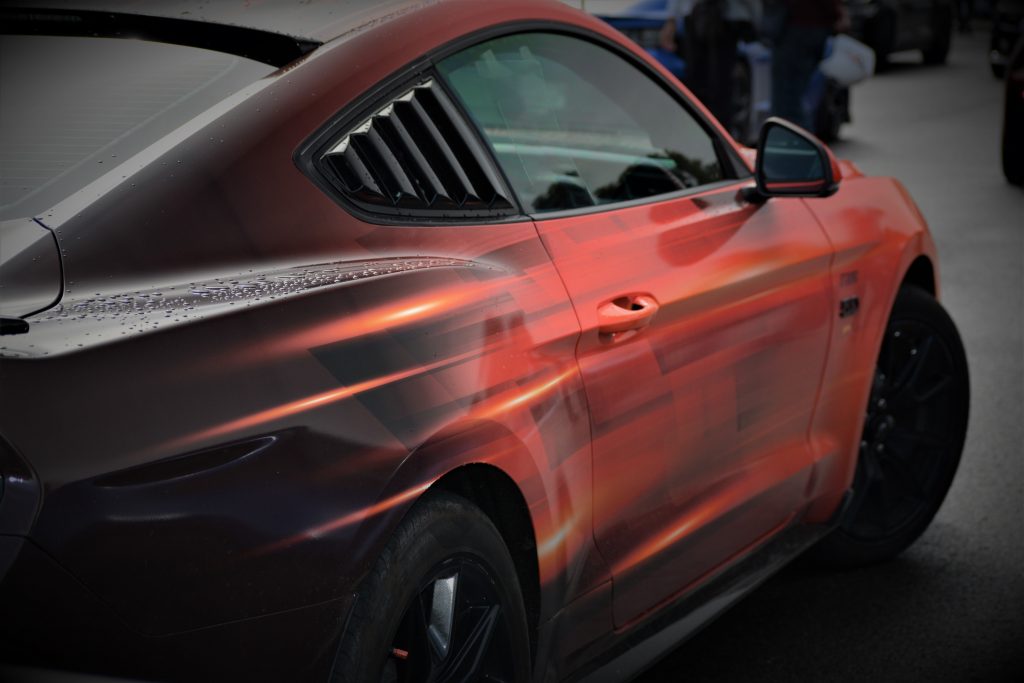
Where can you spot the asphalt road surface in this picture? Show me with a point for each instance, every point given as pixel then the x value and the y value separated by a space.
pixel 951 608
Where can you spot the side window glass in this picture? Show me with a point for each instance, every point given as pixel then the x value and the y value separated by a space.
pixel 575 125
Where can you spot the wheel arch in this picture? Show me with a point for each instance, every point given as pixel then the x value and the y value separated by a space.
pixel 497 494
pixel 488 465
pixel 921 274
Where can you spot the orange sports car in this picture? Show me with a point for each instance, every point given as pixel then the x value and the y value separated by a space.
pixel 430 341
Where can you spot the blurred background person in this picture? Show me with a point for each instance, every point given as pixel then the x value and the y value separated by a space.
pixel 798 48
pixel 964 14
pixel 670 37
pixel 712 30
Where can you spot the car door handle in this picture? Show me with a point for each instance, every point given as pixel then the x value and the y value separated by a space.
pixel 624 313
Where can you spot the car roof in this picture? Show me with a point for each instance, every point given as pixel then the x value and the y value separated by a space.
pixel 276 32
pixel 319 21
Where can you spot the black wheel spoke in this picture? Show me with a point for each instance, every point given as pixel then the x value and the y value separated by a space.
pixel 931 377
pixel 907 480
pixel 456 625
pixel 428 659
pixel 470 651
pixel 938 384
pixel 883 497
pixel 907 441
pixel 872 471
pixel 918 359
pixel 421 614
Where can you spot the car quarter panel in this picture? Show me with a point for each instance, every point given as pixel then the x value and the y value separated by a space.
pixel 289 418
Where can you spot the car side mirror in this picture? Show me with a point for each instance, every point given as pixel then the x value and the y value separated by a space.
pixel 793 163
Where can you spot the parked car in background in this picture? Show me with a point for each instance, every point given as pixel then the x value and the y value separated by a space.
pixel 1013 117
pixel 891 26
pixel 751 77
pixel 1007 27
pixel 362 341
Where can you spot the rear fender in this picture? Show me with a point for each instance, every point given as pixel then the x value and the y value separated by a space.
pixel 561 522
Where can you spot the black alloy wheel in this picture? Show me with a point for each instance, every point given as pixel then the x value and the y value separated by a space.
pixel 914 431
pixel 454 629
pixel 441 605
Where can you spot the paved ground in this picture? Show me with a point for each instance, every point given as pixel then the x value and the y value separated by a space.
pixel 952 607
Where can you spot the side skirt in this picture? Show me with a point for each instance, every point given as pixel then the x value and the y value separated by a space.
pixel 643 646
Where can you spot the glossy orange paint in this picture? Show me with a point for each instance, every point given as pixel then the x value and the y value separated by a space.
pixel 699 420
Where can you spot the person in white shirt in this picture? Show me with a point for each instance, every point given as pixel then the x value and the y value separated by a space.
pixel 712 29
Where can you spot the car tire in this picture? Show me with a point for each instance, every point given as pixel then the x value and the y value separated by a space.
pixel 914 432
pixel 441 603
pixel 937 52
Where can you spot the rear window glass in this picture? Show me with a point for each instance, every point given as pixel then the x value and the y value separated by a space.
pixel 72 108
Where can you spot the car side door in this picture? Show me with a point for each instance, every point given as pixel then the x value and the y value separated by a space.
pixel 705 317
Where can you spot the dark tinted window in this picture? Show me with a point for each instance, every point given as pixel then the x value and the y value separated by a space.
pixel 575 125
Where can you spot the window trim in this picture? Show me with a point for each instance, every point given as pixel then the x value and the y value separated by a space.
pixel 308 153
pixel 716 186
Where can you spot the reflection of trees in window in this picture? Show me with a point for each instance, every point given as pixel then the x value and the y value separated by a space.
pixel 693 172
pixel 637 181
pixel 563 194
pixel 667 172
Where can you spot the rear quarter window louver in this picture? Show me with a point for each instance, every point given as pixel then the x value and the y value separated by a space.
pixel 415 157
